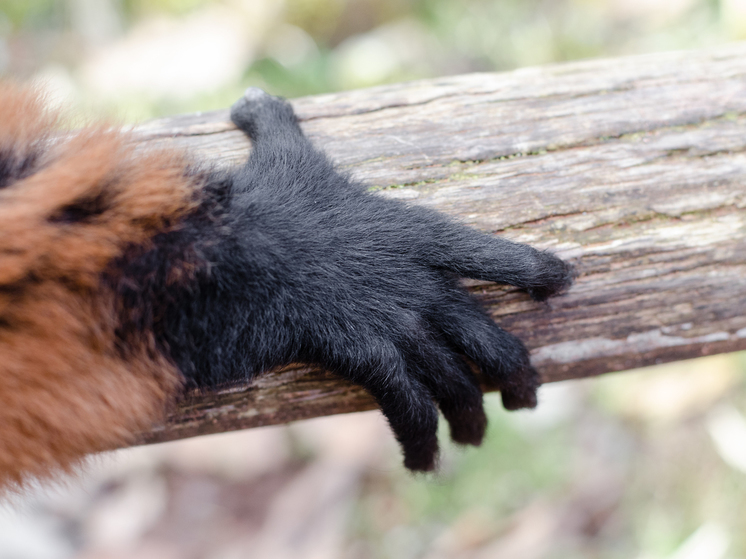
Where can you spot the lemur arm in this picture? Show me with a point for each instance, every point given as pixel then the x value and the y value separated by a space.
pixel 124 277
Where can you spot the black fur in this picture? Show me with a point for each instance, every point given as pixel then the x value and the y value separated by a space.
pixel 293 262
pixel 14 166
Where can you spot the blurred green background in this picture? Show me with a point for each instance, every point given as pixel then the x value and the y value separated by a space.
pixel 143 58
pixel 643 465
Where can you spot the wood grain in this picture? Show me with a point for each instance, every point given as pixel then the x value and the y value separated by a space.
pixel 634 169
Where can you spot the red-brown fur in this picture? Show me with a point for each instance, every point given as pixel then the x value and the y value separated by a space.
pixel 65 391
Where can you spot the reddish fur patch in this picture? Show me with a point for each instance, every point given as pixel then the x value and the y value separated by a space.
pixel 23 118
pixel 64 389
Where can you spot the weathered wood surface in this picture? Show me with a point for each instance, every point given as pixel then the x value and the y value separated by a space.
pixel 634 169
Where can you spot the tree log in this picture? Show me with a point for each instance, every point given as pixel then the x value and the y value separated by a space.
pixel 634 169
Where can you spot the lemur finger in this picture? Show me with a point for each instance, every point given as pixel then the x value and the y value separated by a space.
pixel 473 254
pixel 454 388
pixel 519 395
pixel 377 365
pixel 557 275
pixel 502 357
pixel 495 259
pixel 260 115
pixel 413 418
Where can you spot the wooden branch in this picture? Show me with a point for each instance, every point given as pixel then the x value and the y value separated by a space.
pixel 634 169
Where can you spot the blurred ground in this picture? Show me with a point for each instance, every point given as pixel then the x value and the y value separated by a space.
pixel 642 465
pixel 647 464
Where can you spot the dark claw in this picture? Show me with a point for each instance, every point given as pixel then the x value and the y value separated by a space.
pixel 467 425
pixel 516 396
pixel 554 277
pixel 422 457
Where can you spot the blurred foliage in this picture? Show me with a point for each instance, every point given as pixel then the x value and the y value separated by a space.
pixel 136 9
pixel 25 13
pixel 319 18
pixel 312 46
pixel 30 14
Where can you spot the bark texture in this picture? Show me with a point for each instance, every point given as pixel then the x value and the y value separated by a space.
pixel 633 168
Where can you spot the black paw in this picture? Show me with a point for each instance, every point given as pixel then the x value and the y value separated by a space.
pixel 369 290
